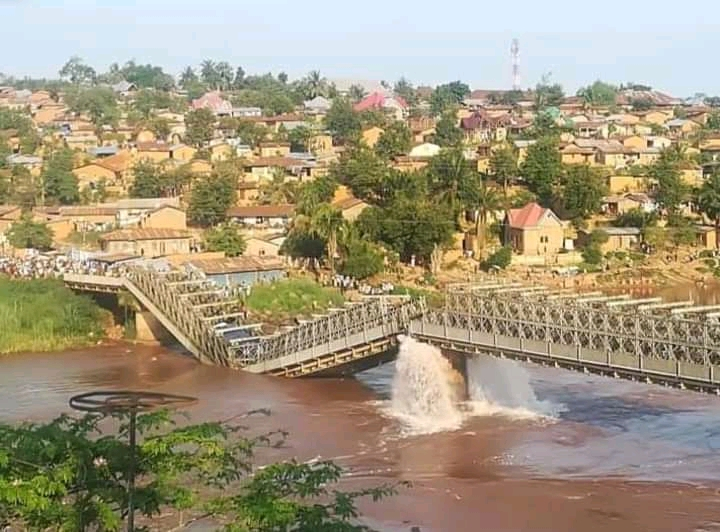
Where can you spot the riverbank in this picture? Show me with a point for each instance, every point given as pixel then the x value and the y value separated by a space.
pixel 44 315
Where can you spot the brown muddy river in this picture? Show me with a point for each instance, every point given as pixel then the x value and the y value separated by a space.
pixel 539 449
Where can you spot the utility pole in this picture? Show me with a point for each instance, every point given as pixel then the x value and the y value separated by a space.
pixel 515 53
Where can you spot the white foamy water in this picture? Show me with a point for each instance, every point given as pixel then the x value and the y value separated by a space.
pixel 424 393
pixel 427 390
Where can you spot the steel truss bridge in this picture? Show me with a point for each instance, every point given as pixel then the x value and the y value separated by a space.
pixel 641 339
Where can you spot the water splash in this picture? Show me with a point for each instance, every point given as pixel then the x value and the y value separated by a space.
pixel 424 390
pixel 428 393
pixel 499 386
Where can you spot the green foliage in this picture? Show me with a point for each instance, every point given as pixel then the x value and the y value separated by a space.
pixel 98 102
pixel 406 91
pixel 453 180
pixel 599 94
pixel 77 72
pixel 210 199
pixel 637 218
pixel 12 119
pixel 25 233
pixel 226 238
pixel 363 171
pixel 504 165
pixel 61 185
pixel 447 132
pixel 291 298
pixel 581 191
pixel 300 243
pixel 200 125
pixel 147 77
pixel 147 182
pixel 24 189
pixel 251 133
pixel 408 227
pixel 641 104
pixel 548 94
pixel 362 259
pixel 542 168
pixel 43 315
pixel 448 97
pixel 396 139
pixel 671 191
pixel 313 193
pixel 146 101
pixel 708 198
pixel 299 138
pixel 342 121
pixel 592 255
pixel 713 121
pixel 500 259
pixel 681 231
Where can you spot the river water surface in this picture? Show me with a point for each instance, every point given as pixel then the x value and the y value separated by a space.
pixel 537 449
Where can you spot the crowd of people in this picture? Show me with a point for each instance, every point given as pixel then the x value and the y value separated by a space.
pixel 345 283
pixel 40 266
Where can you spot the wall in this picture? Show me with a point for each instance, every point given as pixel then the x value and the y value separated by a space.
pixel 167 218
pixel 149 248
pixel 93 173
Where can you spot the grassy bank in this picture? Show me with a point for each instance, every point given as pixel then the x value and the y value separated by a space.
pixel 43 315
pixel 278 302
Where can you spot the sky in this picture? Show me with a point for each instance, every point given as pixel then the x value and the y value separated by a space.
pixel 670 46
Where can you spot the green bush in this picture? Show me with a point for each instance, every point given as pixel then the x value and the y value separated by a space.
pixel 500 259
pixel 592 255
pixel 289 298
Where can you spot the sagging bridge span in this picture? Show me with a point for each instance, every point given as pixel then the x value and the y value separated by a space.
pixel 647 339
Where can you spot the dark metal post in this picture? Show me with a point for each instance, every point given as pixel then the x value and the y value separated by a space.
pixel 131 473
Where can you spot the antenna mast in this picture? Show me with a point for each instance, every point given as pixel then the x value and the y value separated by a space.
pixel 515 51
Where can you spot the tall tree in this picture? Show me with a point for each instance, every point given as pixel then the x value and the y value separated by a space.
pixel 396 139
pixel 548 94
pixel 504 166
pixel 278 190
pixel 581 191
pixel 188 77
pixel 709 202
pixel 226 238
pixel 599 93
pixel 542 168
pixel 327 222
pixel 209 74
pixel 77 72
pixel 147 182
pixel 210 199
pixel 363 171
pixel 406 91
pixel 452 179
pixel 671 191
pixel 314 85
pixel 356 93
pixel 239 79
pixel 487 201
pixel 342 121
pixel 200 124
pixel 446 98
pixel 26 234
pixel 59 182
pixel 447 132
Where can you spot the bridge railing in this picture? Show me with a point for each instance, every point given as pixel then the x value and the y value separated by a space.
pixel 354 320
pixel 157 289
pixel 645 335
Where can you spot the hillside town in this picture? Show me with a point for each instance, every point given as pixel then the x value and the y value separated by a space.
pixel 258 175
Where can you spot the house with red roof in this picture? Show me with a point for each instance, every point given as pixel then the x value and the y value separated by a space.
pixel 215 102
pixel 533 230
pixel 394 105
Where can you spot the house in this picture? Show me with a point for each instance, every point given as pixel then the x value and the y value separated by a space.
pixel 131 212
pixel 348 204
pixel 617 205
pixel 90 217
pixel 267 246
pixel 317 106
pixel 32 162
pixel 320 144
pixel 274 123
pixel 115 170
pixel 145 136
pixel 533 230
pixel 267 167
pixel 706 237
pixel 426 150
pixel 574 154
pixel 654 117
pixel 422 128
pixel 370 136
pixel 619 238
pixel 124 88
pixel 262 215
pixel 591 129
pixel 680 127
pixel 220 151
pixel 215 102
pixel 521 147
pixel 161 151
pixel 149 242
pixel 274 149
pixel 394 105
pixel 482 126
pixel 248 193
pixel 621 184
pixel 101 152
pixel 240 271
pixel 246 112
pixel 164 217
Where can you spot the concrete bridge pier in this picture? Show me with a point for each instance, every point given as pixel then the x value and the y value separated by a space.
pixel 459 374
pixel 148 329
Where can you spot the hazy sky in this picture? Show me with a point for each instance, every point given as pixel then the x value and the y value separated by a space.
pixel 672 46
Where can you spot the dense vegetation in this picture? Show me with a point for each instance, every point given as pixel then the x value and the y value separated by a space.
pixel 43 315
pixel 69 475
pixel 285 299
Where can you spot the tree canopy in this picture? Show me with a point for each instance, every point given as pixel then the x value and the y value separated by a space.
pixel 226 238
pixel 25 234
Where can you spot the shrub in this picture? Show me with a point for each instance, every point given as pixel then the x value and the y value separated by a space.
pixel 500 259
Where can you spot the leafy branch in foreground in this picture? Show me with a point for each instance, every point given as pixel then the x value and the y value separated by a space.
pixel 68 475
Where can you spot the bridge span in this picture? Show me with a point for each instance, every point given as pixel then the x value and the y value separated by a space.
pixel 676 344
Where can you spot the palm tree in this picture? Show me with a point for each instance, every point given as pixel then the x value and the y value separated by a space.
pixel 449 173
pixel 208 73
pixel 315 84
pixel 278 190
pixel 488 201
pixel 327 222
pixel 709 202
pixel 225 74
pixel 356 93
pixel 188 76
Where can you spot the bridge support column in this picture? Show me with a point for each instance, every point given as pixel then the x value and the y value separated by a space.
pixel 149 329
